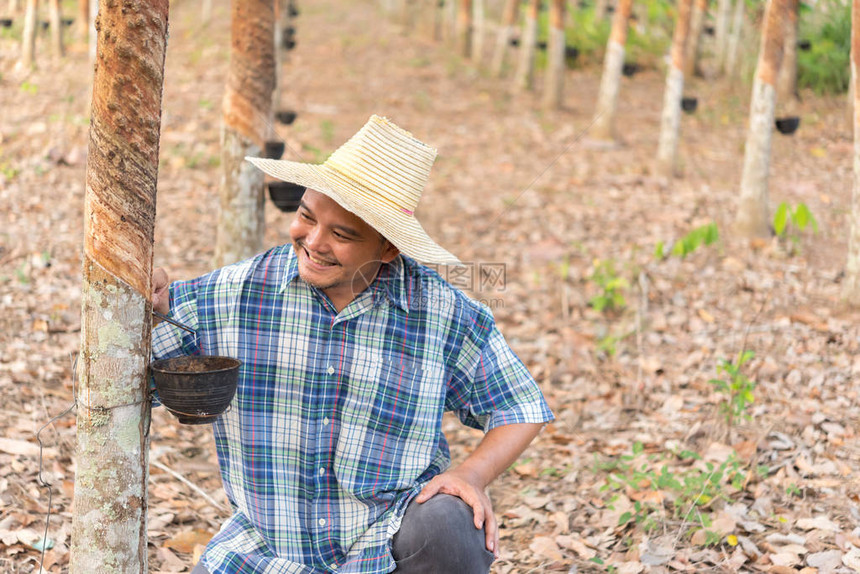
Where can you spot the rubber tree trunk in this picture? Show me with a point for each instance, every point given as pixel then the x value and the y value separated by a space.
pixel 721 38
pixel 13 7
pixel 110 504
pixel 206 11
pixel 603 127
pixel 752 215
pixel 787 81
pixel 524 77
pixel 851 285
pixel 83 24
pixel 56 28
pixel 503 40
pixel 694 39
pixel 247 116
pixel 730 67
pixel 601 7
pixel 670 122
pixel 28 37
pixel 479 30
pixel 464 28
pixel 553 93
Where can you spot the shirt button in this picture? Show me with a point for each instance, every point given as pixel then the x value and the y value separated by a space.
pixel 322 521
pixel 322 471
pixel 325 421
pixel 331 370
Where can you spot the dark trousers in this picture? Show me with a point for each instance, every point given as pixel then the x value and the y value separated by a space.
pixel 437 537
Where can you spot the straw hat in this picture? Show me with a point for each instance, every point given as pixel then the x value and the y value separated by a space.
pixel 378 175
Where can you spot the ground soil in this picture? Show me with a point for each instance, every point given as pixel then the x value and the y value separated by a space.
pixel 521 193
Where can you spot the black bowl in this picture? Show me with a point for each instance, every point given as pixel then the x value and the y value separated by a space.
pixel 286 117
pixel 68 22
pixel 293 11
pixel 541 45
pixel 629 69
pixel 709 30
pixel 286 196
pixel 274 149
pixel 804 45
pixel 787 125
pixel 514 41
pixel 689 105
pixel 198 388
pixel 571 52
pixel 6 22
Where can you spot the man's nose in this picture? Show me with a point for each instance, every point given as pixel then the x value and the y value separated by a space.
pixel 314 239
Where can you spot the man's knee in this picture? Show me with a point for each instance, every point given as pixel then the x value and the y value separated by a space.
pixel 440 536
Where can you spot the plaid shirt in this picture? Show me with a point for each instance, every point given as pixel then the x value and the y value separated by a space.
pixel 337 420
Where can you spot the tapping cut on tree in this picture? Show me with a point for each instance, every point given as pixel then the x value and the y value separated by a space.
pixel 553 94
pixel 613 66
pixel 752 214
pixel 110 504
pixel 247 117
pixel 670 122
pixel 506 32
pixel 528 43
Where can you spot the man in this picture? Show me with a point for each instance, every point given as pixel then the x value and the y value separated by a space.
pixel 333 456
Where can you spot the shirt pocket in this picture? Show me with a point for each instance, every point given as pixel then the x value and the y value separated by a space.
pixel 390 428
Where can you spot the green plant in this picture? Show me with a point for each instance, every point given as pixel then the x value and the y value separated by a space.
pixel 29 88
pixel 610 296
pixel 736 387
pixel 799 219
pixel 825 67
pixel 704 235
pixel 327 129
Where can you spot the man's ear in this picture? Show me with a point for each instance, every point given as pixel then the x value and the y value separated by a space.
pixel 389 252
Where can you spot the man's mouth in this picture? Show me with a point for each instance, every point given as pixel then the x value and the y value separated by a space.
pixel 317 261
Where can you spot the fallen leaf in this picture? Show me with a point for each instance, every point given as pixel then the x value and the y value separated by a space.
pixel 546 546
pixel 852 559
pixel 819 523
pixel 186 541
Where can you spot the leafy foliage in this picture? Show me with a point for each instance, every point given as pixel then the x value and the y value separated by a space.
pixel 825 67
pixel 735 386
pixel 611 287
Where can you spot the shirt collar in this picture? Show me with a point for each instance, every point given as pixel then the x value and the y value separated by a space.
pixel 390 282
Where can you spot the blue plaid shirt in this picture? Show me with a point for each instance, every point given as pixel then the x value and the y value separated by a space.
pixel 337 420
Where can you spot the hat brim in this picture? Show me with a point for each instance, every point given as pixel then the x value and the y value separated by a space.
pixel 402 229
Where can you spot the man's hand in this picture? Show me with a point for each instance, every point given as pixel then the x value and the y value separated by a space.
pixel 467 489
pixel 160 291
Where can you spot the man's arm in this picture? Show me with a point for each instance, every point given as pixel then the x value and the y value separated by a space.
pixel 499 448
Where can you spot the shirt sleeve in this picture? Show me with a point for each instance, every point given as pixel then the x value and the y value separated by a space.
pixel 500 389
pixel 170 341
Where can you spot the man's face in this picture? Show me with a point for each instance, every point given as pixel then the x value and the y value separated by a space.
pixel 337 251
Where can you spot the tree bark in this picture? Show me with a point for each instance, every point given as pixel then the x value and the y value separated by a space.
pixel 752 215
pixel 28 37
pixel 787 81
pixel 553 94
pixel 697 24
pixel 479 30
pixel 13 7
pixel 730 66
pixel 247 116
pixel 670 122
pixel 506 32
pixel 721 39
pixel 464 28
pixel 56 29
pixel 610 82
pixel 528 43
pixel 851 285
pixel 110 504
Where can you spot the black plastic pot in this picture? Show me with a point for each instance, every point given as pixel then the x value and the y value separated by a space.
pixel 787 125
pixel 630 69
pixel 286 196
pixel 285 117
pixel 274 149
pixel 689 105
pixel 196 389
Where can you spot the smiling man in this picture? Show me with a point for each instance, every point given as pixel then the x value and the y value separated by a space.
pixel 333 456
